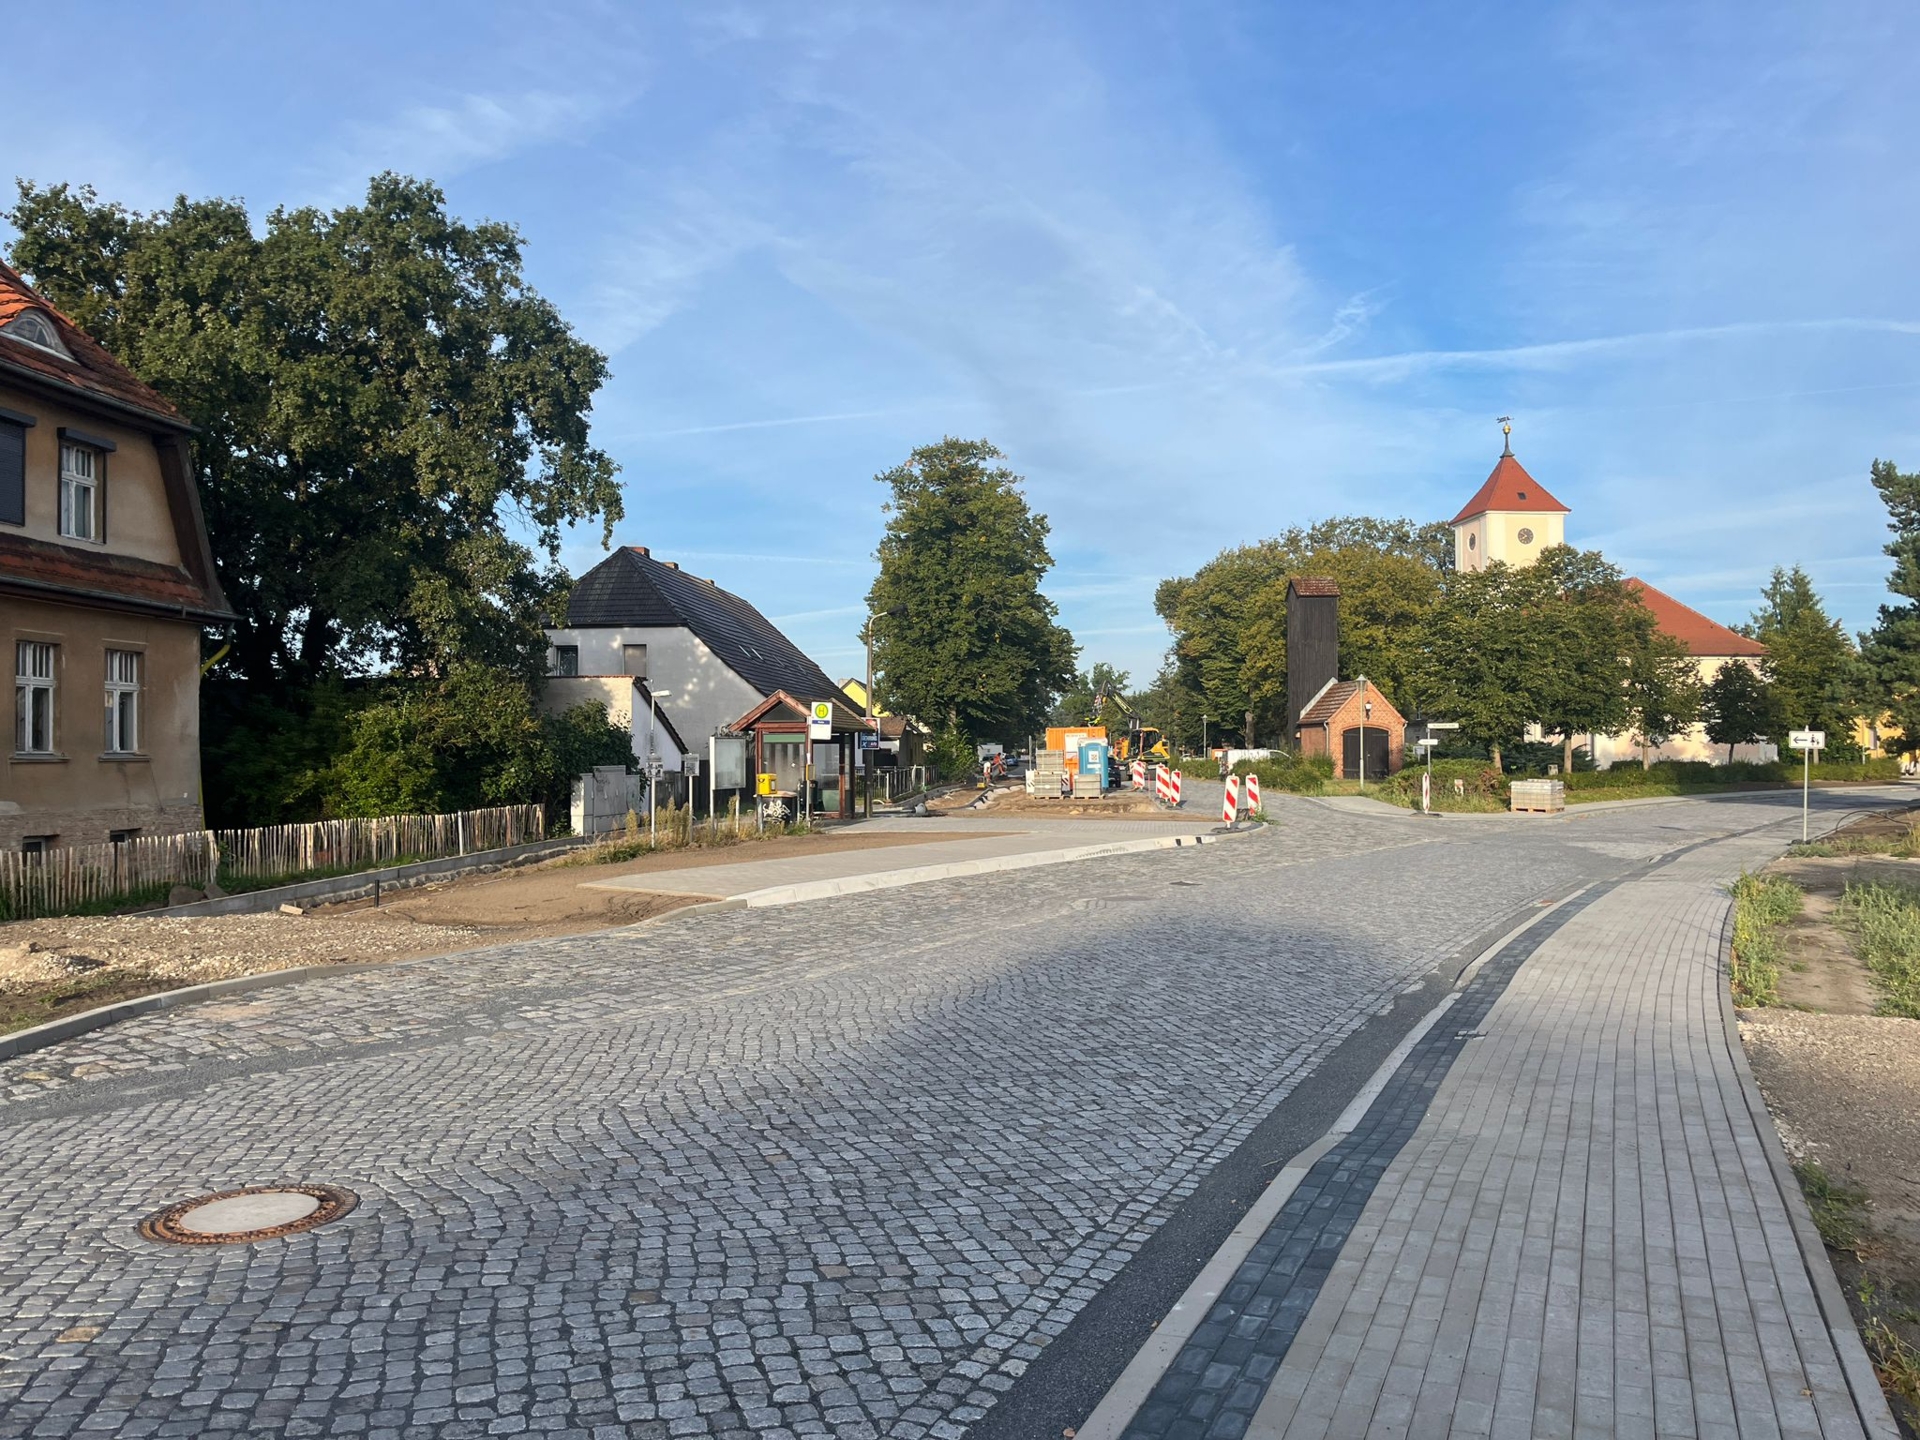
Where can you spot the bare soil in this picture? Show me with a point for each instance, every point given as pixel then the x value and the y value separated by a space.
pixel 1840 1082
pixel 1013 800
pixel 50 969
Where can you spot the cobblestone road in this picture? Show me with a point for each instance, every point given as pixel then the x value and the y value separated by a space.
pixel 835 1170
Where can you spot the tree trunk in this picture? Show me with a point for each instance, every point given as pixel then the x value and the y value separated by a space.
pixel 1494 752
pixel 1646 758
pixel 1566 760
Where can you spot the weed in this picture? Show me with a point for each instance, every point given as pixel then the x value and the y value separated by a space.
pixel 1837 1209
pixel 1903 846
pixel 1761 904
pixel 1885 921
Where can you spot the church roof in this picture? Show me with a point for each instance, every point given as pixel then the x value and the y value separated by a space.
pixel 1509 487
pixel 1700 635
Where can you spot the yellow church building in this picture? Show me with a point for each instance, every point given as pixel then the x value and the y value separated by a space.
pixel 1512 518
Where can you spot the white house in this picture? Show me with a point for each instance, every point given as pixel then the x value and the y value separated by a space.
pixel 640 629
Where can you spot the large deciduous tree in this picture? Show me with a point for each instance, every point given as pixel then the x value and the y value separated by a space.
pixel 1077 705
pixel 969 644
pixel 1229 618
pixel 379 398
pixel 385 415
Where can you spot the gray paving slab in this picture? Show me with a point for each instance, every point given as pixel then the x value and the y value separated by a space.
pixel 1584 1235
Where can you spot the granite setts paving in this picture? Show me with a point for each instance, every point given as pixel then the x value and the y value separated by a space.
pixel 841 1170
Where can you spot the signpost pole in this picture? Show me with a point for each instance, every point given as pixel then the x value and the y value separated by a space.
pixel 1806 791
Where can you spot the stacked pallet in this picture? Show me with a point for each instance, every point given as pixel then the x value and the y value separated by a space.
pixel 1048 775
pixel 1087 787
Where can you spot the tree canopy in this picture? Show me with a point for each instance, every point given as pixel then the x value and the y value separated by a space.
pixel 379 398
pixel 1813 670
pixel 1229 618
pixel 968 642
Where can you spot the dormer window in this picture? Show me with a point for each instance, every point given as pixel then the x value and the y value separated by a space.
pixel 31 327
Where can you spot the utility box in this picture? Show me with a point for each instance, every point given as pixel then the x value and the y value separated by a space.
pixel 1093 764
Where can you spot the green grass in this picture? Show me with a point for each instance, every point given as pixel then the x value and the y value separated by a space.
pixel 1837 1209
pixel 1761 905
pixel 1904 845
pixel 1884 920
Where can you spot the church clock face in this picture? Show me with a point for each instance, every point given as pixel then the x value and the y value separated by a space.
pixel 1525 537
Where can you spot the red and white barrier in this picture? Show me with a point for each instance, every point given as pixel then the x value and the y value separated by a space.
pixel 1139 774
pixel 1173 788
pixel 1230 810
pixel 1253 793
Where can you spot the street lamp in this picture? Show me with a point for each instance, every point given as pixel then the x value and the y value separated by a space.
pixel 1366 714
pixel 1204 717
pixel 866 758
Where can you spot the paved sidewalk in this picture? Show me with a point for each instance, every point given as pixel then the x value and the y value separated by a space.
pixel 975 845
pixel 1565 1215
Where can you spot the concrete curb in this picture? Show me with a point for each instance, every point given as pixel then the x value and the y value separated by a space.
pixel 25 1042
pixel 1876 1417
pixel 361 883
pixel 924 874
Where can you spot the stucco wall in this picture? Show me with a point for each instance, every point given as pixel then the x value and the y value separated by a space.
pixel 691 683
pixel 138 521
pixel 81 794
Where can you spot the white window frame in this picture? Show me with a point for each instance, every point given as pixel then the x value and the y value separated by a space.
pixel 35 667
pixel 79 482
pixel 123 702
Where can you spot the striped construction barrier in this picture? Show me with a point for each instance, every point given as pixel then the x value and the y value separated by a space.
pixel 1173 788
pixel 1162 784
pixel 1253 793
pixel 1139 774
pixel 1229 811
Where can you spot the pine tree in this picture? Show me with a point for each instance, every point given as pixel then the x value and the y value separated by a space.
pixel 1892 649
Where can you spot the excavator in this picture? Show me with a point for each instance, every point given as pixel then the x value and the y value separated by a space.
pixel 1138 741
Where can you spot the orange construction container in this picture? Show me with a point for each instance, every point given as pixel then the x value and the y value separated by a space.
pixel 1070 738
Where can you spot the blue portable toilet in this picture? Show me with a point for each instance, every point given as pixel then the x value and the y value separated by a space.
pixel 1093 759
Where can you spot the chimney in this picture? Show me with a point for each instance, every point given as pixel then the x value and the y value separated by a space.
pixel 640 550
pixel 1313 643
pixel 671 564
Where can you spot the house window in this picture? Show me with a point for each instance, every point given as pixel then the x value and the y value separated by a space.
pixel 13 472
pixel 33 328
pixel 33 697
pixel 37 844
pixel 79 492
pixel 566 659
pixel 635 658
pixel 123 702
pixel 121 837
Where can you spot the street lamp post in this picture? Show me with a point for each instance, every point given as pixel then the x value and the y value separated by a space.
pixel 1366 714
pixel 1204 717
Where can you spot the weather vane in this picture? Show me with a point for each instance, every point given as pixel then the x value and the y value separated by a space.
pixel 1506 429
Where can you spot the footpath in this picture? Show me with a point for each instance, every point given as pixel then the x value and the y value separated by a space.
pixel 1565 1212
pixel 966 845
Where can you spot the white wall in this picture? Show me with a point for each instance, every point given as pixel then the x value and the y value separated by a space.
pixel 689 680
pixel 624 708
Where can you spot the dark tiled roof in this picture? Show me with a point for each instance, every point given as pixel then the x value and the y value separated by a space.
pixel 631 588
pixel 1509 487
pixel 1699 634
pixel 91 368
pixel 38 565
pixel 1312 585
pixel 1329 703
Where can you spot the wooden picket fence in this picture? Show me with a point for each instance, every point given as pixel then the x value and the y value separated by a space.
pixel 76 879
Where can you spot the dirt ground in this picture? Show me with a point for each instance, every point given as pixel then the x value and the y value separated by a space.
pixel 53 968
pixel 1014 800
pixel 1841 1083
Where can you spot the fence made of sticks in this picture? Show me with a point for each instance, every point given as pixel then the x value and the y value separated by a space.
pixel 142 870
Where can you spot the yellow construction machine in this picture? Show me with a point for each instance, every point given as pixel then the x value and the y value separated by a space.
pixel 1134 740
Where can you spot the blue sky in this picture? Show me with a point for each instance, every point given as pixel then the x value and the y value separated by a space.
pixel 1203 271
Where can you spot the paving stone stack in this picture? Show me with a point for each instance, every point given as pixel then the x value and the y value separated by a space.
pixel 1086 787
pixel 1049 773
pixel 1546 796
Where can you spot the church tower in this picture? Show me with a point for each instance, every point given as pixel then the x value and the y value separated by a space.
pixel 1510 518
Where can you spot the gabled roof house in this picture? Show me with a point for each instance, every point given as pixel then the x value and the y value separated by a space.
pixel 106 580
pixel 710 660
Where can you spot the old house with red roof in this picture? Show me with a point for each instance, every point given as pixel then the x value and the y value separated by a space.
pixel 1512 518
pixel 106 580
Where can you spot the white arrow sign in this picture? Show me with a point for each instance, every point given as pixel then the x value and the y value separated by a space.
pixel 1807 740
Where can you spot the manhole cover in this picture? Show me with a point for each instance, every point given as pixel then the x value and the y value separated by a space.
pixel 259 1212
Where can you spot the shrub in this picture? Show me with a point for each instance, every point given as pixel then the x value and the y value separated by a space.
pixel 1296 774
